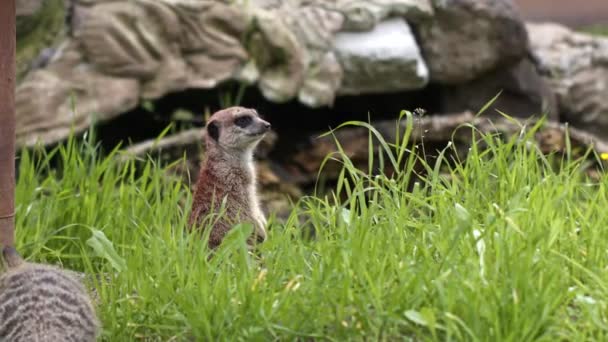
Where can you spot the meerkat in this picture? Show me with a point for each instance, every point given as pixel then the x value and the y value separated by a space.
pixel 227 174
pixel 43 303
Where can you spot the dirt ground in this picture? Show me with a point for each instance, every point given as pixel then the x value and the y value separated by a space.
pixel 574 13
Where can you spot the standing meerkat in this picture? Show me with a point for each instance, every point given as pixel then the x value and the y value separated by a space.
pixel 43 303
pixel 227 174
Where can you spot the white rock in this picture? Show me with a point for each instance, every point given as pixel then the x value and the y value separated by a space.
pixel 384 59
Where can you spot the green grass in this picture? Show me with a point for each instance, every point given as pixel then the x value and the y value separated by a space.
pixel 507 248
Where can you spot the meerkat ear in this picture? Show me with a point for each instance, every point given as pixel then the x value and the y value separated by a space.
pixel 213 130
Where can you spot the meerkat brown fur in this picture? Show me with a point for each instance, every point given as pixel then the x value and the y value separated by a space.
pixel 228 174
pixel 43 303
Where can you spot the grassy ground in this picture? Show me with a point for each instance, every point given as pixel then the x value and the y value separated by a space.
pixel 601 30
pixel 507 248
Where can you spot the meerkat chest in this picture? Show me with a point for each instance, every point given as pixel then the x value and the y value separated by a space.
pixel 254 201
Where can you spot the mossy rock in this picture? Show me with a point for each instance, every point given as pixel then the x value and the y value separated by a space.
pixel 40 24
pixel 597 29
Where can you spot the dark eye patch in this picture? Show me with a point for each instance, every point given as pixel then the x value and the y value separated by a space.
pixel 213 130
pixel 243 121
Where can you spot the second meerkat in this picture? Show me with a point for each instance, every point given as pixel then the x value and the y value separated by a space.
pixel 228 176
pixel 42 303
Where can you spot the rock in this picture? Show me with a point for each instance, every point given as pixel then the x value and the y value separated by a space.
pixel 27 8
pixel 321 82
pixel 40 25
pixel 523 93
pixel 280 77
pixel 363 15
pixel 385 59
pixel 291 47
pixel 468 38
pixel 47 113
pixel 173 45
pixel 576 66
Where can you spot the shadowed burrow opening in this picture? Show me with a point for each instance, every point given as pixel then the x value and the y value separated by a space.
pixel 293 122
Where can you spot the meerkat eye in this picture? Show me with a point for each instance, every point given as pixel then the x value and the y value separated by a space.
pixel 213 130
pixel 243 121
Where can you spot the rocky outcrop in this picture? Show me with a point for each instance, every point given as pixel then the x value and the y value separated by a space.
pixel 120 52
pixel 576 67
pixel 68 96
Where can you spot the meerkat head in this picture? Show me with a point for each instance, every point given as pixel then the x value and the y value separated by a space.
pixel 236 129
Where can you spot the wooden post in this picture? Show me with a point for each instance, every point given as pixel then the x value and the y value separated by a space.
pixel 8 38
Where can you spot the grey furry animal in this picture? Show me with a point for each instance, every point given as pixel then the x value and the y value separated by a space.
pixel 43 303
pixel 228 174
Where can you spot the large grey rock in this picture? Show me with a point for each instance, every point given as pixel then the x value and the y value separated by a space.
pixel 385 59
pixel 51 103
pixel 576 67
pixel 468 38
